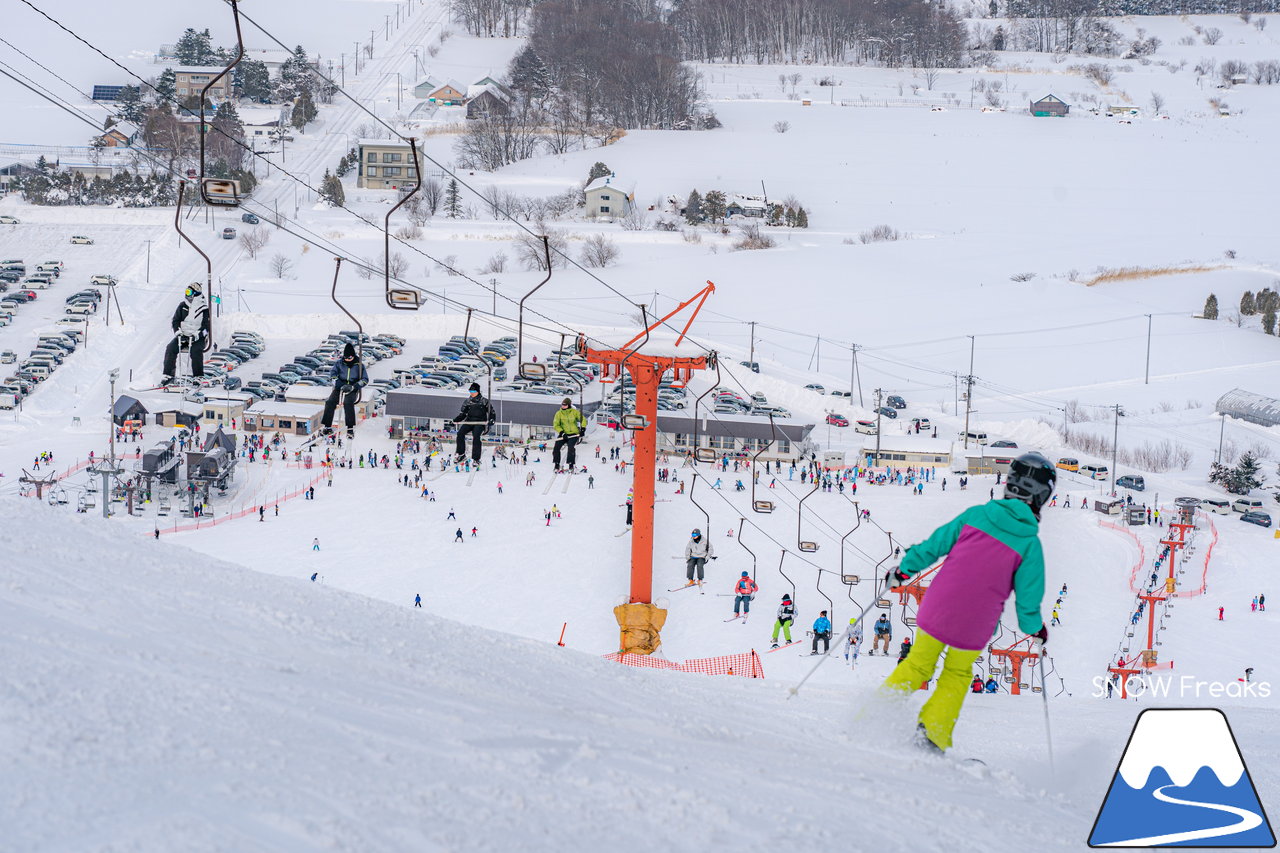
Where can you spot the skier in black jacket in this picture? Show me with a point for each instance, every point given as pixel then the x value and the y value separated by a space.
pixel 192 328
pixel 349 376
pixel 476 418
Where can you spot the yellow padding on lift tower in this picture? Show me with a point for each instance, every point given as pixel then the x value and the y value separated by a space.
pixel 640 624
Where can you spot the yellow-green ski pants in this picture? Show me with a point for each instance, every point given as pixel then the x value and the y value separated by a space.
pixel 941 711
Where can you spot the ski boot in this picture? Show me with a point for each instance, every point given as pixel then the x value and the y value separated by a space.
pixel 923 743
pixel 351 432
pixel 774 646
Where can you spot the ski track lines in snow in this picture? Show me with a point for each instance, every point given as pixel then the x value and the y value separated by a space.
pixel 166 705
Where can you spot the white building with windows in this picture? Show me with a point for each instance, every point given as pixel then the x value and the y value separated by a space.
pixel 608 198
pixel 386 165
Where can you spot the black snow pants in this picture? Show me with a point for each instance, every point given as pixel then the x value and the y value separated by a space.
pixel 197 356
pixel 571 441
pixel 348 406
pixel 477 432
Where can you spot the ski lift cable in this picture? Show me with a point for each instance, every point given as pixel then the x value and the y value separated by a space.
pixel 314 239
pixel 260 155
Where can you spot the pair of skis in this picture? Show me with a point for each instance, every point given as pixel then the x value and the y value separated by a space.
pixel 698 584
pixel 567 480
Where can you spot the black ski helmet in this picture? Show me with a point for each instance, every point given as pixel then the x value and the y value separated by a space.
pixel 1031 479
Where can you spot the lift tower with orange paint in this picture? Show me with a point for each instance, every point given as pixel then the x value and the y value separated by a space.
pixel 640 621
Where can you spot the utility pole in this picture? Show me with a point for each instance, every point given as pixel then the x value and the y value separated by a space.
pixel 857 373
pixel 493 283
pixel 1222 429
pixel 342 69
pixel 357 70
pixel 388 28
pixel 1115 446
pixel 956 376
pixel 1146 379
pixel 752 357
pixel 107 467
pixel 968 394
pixel 148 262
pixel 876 459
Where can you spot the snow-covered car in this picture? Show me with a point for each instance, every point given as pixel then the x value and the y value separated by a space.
pixel 9 220
pixel 81 240
pixel 1246 505
pixel 228 233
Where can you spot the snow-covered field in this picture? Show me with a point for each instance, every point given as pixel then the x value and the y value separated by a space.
pixel 166 698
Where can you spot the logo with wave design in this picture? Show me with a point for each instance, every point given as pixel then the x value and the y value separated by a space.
pixel 1182 782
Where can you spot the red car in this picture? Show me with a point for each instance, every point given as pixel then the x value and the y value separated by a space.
pixel 30 294
pixel 837 420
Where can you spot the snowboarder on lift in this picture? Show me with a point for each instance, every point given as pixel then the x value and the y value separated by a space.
pixel 349 376
pixel 475 418
pixel 991 551
pixel 786 615
pixel 192 328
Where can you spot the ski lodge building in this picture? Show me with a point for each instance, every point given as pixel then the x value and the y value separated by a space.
pixel 419 411
pixel 907 451
pixel 287 418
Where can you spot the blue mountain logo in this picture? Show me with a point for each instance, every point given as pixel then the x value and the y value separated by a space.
pixel 1182 782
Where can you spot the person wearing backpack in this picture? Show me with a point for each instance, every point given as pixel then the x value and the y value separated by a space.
pixel 743 591
pixel 786 615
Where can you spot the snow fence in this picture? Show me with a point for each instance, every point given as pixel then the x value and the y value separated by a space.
pixel 745 665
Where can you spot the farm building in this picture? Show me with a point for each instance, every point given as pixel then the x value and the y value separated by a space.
pixel 1050 105
pixel 1247 406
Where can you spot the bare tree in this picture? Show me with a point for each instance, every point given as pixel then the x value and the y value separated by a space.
pixel 496 264
pixel 636 219
pixel 280 265
pixel 397 265
pixel 599 251
pixel 1157 102
pixel 492 143
pixel 930 77
pixel 529 248
pixel 1212 35
pixel 253 240
pixel 431 193
pixel 782 126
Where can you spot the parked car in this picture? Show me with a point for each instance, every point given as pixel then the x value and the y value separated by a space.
pixel 1066 463
pixel 887 412
pixel 814 386
pixel 251 218
pixel 1216 505
pixel 922 423
pixel 1246 505
pixel 845 394
pixel 896 401
pixel 108 280
pixel 228 233
pixel 1004 442
pixel 837 420
pixel 753 366
pixel 9 220
pixel 1132 481
pixel 1257 517
pixel 81 240
pixel 8 357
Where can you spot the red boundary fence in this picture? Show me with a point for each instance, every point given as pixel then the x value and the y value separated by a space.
pixel 1138 566
pixel 200 523
pixel 745 665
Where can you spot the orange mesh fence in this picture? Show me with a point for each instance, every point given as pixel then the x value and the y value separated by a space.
pixel 201 523
pixel 1140 564
pixel 746 665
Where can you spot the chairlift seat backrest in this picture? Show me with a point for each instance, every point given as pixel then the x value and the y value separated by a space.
pixel 910 621
pixel 808 547
pixel 220 191
pixel 634 422
pixel 762 506
pixel 851 580
pixel 884 602
pixel 704 454
pixel 533 371
pixel 404 299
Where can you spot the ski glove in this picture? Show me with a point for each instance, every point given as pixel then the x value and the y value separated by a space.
pixel 348 388
pixel 1042 635
pixel 896 575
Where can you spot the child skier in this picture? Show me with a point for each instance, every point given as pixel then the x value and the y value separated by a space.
pixel 991 551
pixel 786 615
pixel 743 591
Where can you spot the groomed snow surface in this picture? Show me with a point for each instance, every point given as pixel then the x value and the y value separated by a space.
pixel 158 700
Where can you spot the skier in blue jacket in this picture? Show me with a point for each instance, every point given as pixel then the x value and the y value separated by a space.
pixel 821 631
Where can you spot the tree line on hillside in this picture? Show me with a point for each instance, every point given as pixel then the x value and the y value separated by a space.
pixel 1265 302
pixel 49 185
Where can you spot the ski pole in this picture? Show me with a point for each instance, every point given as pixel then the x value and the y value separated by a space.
pixel 823 659
pixel 1044 694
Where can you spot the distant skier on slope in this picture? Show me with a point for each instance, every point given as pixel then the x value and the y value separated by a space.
pixel 991 551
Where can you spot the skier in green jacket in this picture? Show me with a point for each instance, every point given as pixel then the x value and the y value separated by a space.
pixel 569 425
pixel 991 551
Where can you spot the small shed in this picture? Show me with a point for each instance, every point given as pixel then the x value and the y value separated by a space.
pixel 128 408
pixel 226 407
pixel 986 460
pixel 1050 105
pixel 608 198
pixel 1108 506
pixel 424 89
pixel 450 94
pixel 487 103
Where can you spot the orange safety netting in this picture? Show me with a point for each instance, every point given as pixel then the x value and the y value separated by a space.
pixel 746 665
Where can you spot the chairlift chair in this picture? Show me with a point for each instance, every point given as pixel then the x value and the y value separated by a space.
pixel 400 298
pixel 804 545
pixel 883 602
pixel 700 453
pixel 851 580
pixel 762 506
pixel 531 370
pixel 909 621
pixel 219 192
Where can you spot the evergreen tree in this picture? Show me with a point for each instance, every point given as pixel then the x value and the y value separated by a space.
pixel 304 111
pixel 1246 476
pixel 1269 320
pixel 802 218
pixel 247 181
pixel 1219 474
pixel 195 48
pixel 789 216
pixel 295 76
pixel 693 208
pixel 774 216
pixel 226 136
pixel 452 201
pixel 715 205
pixel 130 103
pixel 166 85
pixel 599 170
pixel 252 80
pixel 529 75
pixel 998 39
pixel 347 163
pixel 1211 307
pixel 1246 304
pixel 331 190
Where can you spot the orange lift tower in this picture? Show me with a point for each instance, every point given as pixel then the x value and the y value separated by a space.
pixel 1016 656
pixel 639 620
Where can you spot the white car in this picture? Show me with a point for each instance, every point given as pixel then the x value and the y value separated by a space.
pixel 8 357
pixel 108 280
pixel 82 241
pixel 9 220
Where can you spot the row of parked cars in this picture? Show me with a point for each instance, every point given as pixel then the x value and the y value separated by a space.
pixel 51 350
pixel 312 368
pixel 460 361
